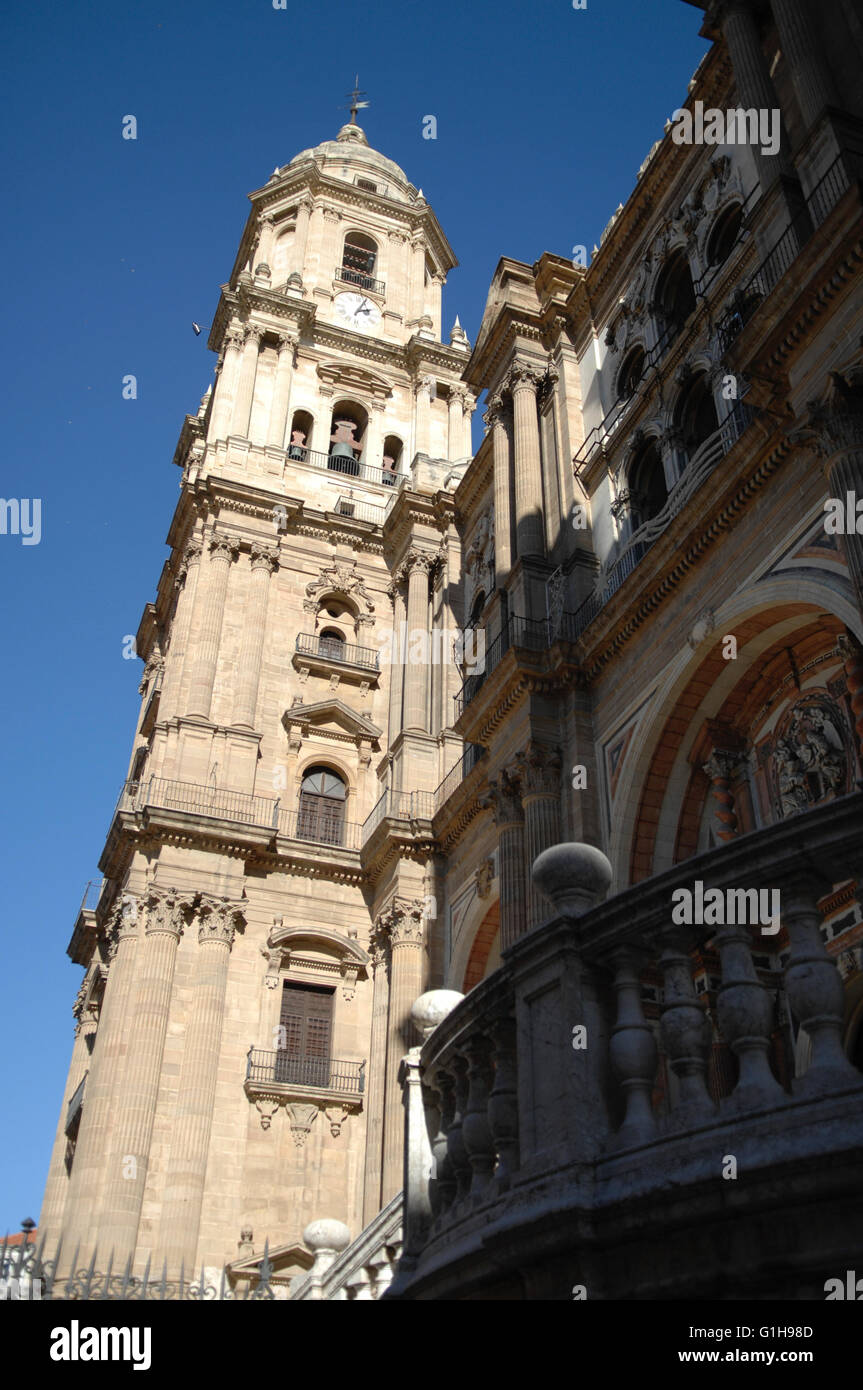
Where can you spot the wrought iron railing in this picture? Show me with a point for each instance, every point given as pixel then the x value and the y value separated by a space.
pixel 350 467
pixel 321 1073
pixel 528 633
pixel 473 753
pixel 395 805
pixel 92 894
pixel 310 644
pixel 363 511
pixel 361 280
pixel 320 828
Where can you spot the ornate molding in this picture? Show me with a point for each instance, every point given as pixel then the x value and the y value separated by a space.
pixel 504 798
pixel 263 557
pixel 218 920
pixel 166 912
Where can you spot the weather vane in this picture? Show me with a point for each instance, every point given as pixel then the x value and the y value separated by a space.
pixel 355 103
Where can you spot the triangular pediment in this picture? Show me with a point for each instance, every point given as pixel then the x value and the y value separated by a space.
pixel 286 1261
pixel 331 714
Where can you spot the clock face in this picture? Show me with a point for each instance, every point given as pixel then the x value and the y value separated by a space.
pixel 357 312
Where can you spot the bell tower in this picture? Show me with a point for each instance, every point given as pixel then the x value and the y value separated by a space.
pixel 262 899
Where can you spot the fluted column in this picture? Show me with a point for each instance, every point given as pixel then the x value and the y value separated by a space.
pixel 405 924
pixel 246 385
pixel 379 949
pixel 422 394
pixel 263 562
pixel 190 1132
pixel 540 795
pixel 146 1026
pixel 278 420
pixel 301 237
pixel 495 418
pixel 752 76
pixel 397 665
pixel 814 986
pixel 226 386
pixel 418 567
pixel 529 529
pixel 214 584
pixel 455 423
pixel 104 1097
pixel 721 768
pixel 468 406
pixel 373 453
pixel 57 1185
pixel 801 45
pixel 504 798
pixel 177 654
pixel 417 280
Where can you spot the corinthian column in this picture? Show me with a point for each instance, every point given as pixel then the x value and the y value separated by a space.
pixel 263 562
pixel 146 1026
pixel 801 45
pixel 214 583
pixel 57 1186
pixel 398 657
pixel 754 85
pixel 190 1133
pixel 529 529
pixel 504 798
pixel 379 949
pixel 103 1097
pixel 417 567
pixel 301 236
pixel 226 386
pixel 540 796
pixel 495 418
pixel 416 307
pixel 422 392
pixel 246 385
pixel 281 391
pixel 185 585
pixel 404 923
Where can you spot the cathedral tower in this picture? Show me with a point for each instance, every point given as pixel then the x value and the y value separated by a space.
pixel 267 913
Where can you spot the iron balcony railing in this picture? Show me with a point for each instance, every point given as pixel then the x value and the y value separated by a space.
pixel 395 805
pixel 350 467
pixel 359 278
pixel 217 803
pixel 363 511
pixel 92 894
pixel 528 633
pixel 319 1073
pixel 472 754
pixel 328 648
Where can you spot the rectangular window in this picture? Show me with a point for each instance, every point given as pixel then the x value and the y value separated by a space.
pixel 306 1031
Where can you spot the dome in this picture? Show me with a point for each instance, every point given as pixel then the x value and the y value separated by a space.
pixel 349 155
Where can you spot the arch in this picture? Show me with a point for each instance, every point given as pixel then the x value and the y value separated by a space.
pixel 646 483
pixel 359 259
pixel 674 296
pixel 723 234
pixel 392 458
pixel 323 939
pixel 631 372
pixel 484 953
pixel 321 805
pixel 695 411
pixel 349 425
pixel 302 426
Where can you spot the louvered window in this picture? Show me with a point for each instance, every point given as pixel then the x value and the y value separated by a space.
pixel 322 807
pixel 305 1035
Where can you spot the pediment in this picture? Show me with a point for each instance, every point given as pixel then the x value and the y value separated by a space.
pixel 286 1261
pixel 353 379
pixel 330 716
pixel 322 941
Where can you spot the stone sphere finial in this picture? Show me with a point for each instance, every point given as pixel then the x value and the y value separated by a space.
pixel 326 1236
pixel 573 876
pixel 432 1008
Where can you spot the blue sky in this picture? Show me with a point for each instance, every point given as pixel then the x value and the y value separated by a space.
pixel 113 248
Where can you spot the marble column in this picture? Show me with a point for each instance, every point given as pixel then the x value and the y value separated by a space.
pixel 263 562
pixel 540 795
pixel 504 798
pixel 721 768
pixel 405 924
pixel 529 528
pixel 398 651
pixel 190 1133
pixel 165 914
pixel 226 386
pixel 754 85
pixel 242 413
pixel 214 585
pixel 417 567
pixel 801 45
pixel 423 396
pixel 104 1097
pixel 379 949
pixel 495 419
pixel 175 659
pixel 278 420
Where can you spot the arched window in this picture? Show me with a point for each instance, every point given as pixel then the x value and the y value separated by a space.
pixel 301 435
pixel 675 294
pixel 724 234
pixel 647 489
pixel 695 414
pixel 359 260
pixel 476 608
pixel 332 644
pixel 322 807
pixel 347 437
pixel 630 374
pixel 392 459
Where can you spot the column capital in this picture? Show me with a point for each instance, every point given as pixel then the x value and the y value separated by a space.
pixel 263 557
pixel 495 412
pixel 191 556
pixel 402 923
pixel 504 798
pixel 223 548
pixel 234 338
pixel 218 919
pixel 539 770
pixel 253 333
pixel 425 383
pixel 524 376
pixel 167 912
pixel 723 764
pixel 416 560
pixel 288 342
pixel 122 922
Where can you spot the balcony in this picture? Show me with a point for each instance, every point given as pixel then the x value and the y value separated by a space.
pixel 331 652
pixel 473 753
pixel 319 828
pixel 280 1069
pixel 361 280
pixel 363 511
pixel 411 807
pixel 535 1163
pixel 529 634
pixel 350 467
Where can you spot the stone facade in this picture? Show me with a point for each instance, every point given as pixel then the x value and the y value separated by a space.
pixel 670 662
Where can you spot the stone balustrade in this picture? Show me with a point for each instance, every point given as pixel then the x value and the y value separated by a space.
pixel 560 1137
pixel 345 1270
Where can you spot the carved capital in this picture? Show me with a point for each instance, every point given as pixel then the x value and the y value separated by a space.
pixel 524 376
pixel 218 919
pixel 253 333
pixel 224 548
pixel 263 557
pixel 166 912
pixel 539 770
pixel 504 798
pixel 402 923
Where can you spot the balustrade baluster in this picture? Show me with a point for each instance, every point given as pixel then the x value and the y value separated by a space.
pixel 745 1013
pixel 684 1027
pixel 632 1049
pixel 476 1132
pixel 814 987
pixel 503 1101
